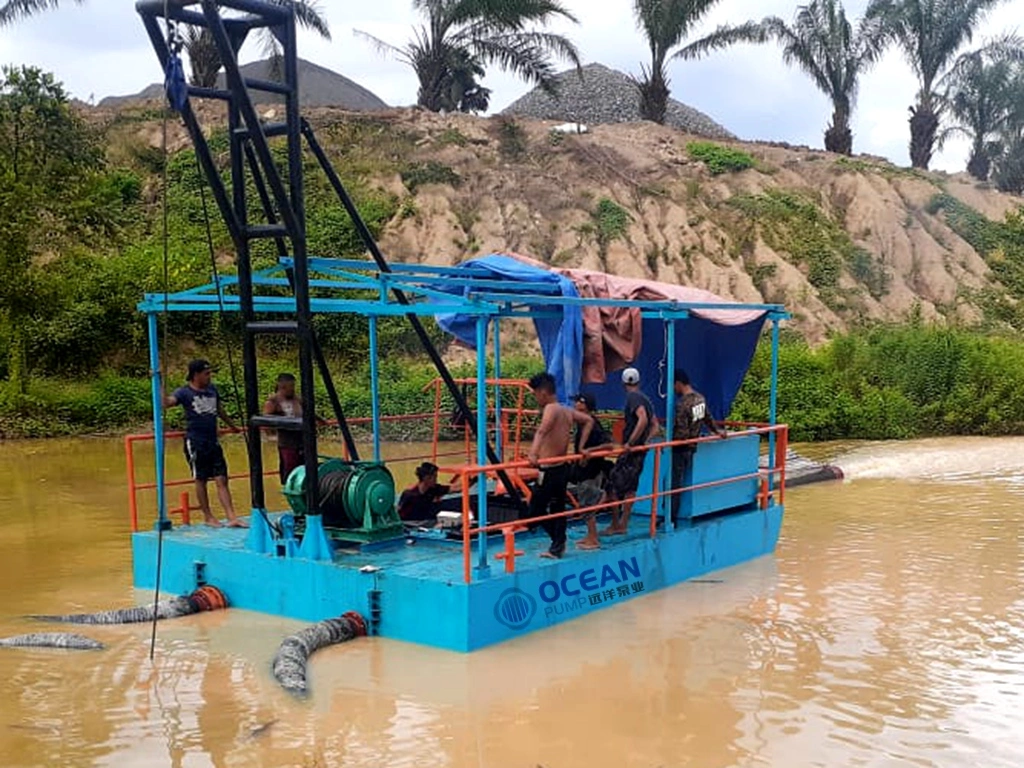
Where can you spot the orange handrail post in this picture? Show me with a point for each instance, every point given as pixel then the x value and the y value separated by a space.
pixel 781 449
pixel 657 484
pixel 511 553
pixel 133 502
pixel 186 517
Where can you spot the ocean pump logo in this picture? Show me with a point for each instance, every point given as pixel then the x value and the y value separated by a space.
pixel 515 608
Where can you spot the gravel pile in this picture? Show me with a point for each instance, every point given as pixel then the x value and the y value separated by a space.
pixel 606 95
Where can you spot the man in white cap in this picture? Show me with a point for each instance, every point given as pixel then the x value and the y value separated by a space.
pixel 625 475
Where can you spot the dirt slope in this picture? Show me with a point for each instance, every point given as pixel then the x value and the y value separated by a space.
pixel 836 240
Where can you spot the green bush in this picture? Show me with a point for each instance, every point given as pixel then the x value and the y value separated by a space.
pixel 431 172
pixel 890 383
pixel 719 159
pixel 611 222
pixel 1001 244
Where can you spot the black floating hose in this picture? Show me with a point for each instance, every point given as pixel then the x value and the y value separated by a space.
pixel 203 599
pixel 291 657
pixel 52 640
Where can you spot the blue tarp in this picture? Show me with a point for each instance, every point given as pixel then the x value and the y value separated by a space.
pixel 715 356
pixel 561 339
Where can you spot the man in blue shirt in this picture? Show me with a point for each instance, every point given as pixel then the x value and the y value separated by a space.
pixel 203 451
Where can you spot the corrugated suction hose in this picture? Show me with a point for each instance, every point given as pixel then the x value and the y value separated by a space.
pixel 52 640
pixel 205 598
pixel 293 654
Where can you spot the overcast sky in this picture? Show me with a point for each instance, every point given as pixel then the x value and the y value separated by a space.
pixel 100 49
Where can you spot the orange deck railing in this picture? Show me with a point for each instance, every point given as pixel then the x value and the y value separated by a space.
pixel 509 529
pixel 185 506
pixel 513 418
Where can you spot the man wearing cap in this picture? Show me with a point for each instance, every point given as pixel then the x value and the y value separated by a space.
pixel 203 451
pixel 624 477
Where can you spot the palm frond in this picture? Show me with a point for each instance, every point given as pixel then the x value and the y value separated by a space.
pixel 523 58
pixel 16 10
pixel 308 15
pixel 930 32
pixel 724 37
pixel 506 15
pixel 385 48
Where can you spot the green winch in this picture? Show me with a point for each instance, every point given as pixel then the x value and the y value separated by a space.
pixel 357 499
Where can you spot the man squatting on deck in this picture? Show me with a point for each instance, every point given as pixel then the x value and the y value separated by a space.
pixel 550 441
pixel 624 478
pixel 691 414
pixel 202 404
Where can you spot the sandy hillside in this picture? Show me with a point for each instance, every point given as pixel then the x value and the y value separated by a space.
pixel 836 240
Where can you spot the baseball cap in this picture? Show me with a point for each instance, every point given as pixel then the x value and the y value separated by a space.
pixel 588 399
pixel 631 376
pixel 198 366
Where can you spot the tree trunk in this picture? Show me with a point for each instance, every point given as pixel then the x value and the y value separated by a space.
pixel 653 95
pixel 434 85
pixel 980 163
pixel 204 59
pixel 839 137
pixel 924 124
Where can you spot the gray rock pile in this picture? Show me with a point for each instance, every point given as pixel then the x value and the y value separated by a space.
pixel 606 95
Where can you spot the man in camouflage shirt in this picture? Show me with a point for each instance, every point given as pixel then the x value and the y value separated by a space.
pixel 691 414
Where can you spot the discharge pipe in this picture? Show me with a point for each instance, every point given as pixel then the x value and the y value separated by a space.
pixel 203 599
pixel 52 640
pixel 293 654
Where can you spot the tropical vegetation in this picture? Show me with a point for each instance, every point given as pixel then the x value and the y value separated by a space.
pixel 930 33
pixel 824 44
pixel 664 25
pixel 982 96
pixel 459 39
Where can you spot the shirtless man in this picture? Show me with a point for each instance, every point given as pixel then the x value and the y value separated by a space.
pixel 551 441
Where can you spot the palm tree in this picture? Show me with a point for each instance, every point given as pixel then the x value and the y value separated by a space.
pixel 1008 170
pixel 664 23
pixel 204 59
pixel 980 95
pixel 824 44
pixel 930 32
pixel 460 37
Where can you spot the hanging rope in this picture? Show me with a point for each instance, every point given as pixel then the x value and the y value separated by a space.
pixel 663 375
pixel 177 94
pixel 223 314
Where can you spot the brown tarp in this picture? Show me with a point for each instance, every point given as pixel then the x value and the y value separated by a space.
pixel 612 336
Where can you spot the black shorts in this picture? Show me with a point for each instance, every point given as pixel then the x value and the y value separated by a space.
pixel 624 478
pixel 206 460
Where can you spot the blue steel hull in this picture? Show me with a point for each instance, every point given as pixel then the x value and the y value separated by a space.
pixel 422 596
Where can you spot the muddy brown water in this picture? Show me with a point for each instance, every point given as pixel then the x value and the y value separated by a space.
pixel 887 630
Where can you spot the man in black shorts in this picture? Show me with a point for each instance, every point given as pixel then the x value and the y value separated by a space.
pixel 551 442
pixel 624 477
pixel 205 457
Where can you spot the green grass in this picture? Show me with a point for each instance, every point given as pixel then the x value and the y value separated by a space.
pixel 719 159
pixel 791 224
